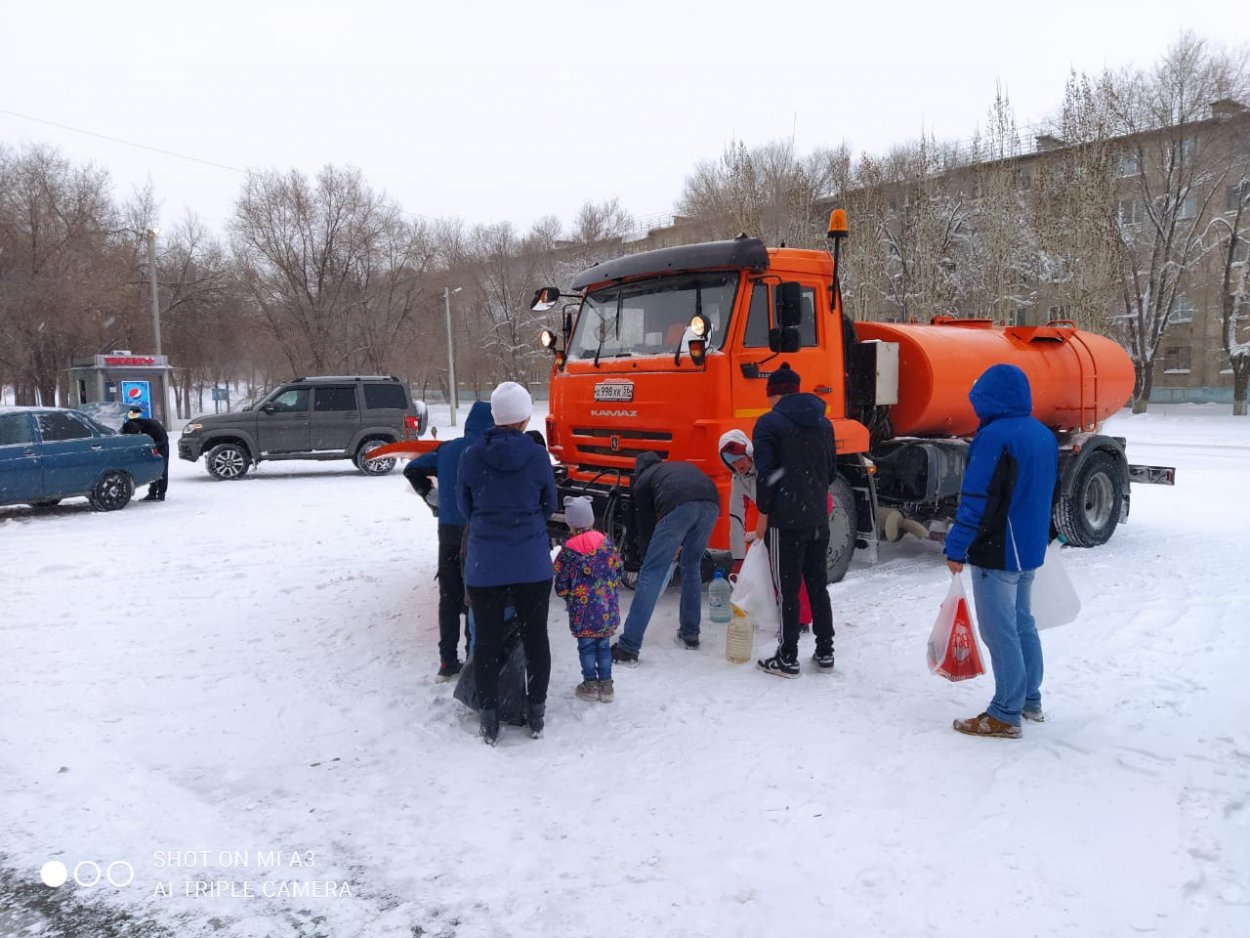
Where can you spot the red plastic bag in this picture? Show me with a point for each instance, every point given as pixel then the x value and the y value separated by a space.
pixel 953 652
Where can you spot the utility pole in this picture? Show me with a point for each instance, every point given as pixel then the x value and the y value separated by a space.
pixel 451 354
pixel 156 307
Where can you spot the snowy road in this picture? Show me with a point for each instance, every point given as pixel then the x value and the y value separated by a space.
pixel 230 696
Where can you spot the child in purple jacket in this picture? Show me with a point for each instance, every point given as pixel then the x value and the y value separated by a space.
pixel 588 576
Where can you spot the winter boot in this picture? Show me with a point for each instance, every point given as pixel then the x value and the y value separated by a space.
pixel 623 655
pixel 447 670
pixel 538 713
pixel 1036 716
pixel 780 665
pixel 587 690
pixel 606 693
pixel 489 729
pixel 688 641
pixel 986 725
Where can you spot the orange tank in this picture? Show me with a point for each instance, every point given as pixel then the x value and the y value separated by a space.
pixel 1078 378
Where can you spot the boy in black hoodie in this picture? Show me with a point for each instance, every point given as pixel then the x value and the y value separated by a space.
pixel 795 461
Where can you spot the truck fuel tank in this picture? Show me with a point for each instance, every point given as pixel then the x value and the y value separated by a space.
pixel 1077 378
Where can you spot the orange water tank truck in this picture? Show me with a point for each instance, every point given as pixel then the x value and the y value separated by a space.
pixel 665 350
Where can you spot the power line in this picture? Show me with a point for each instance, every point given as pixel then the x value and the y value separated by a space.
pixel 128 143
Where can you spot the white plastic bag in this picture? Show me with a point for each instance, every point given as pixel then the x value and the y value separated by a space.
pixel 952 647
pixel 753 590
pixel 1054 600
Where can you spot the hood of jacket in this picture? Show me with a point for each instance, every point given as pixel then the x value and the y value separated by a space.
pixel 1002 391
pixel 506 449
pixel 803 410
pixel 644 461
pixel 479 419
pixel 734 436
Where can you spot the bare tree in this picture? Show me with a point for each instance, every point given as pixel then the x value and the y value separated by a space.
pixel 1235 282
pixel 318 260
pixel 1173 174
pixel 62 272
pixel 768 192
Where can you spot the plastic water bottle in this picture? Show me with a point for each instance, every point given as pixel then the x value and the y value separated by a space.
pixel 719 591
pixel 739 637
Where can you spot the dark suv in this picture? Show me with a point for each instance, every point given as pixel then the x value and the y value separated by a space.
pixel 308 418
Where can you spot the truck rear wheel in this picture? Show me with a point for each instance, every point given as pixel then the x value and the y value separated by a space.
pixel 1088 515
pixel 841 530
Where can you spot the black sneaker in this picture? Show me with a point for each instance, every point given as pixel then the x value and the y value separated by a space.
pixel 623 655
pixel 447 670
pixel 780 666
pixel 824 663
pixel 537 720
pixel 688 641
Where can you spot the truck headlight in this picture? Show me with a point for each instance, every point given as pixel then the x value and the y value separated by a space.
pixel 192 427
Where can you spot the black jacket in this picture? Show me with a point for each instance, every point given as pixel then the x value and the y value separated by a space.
pixel 659 487
pixel 152 428
pixel 795 462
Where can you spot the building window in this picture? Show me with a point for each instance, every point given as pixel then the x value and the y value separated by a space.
pixel 1241 251
pixel 1183 151
pixel 1188 207
pixel 1235 194
pixel 1176 360
pixel 1130 163
pixel 1132 211
pixel 1182 310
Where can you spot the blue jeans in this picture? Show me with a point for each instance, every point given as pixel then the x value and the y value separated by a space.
pixel 596 656
pixel 689 527
pixel 1003 613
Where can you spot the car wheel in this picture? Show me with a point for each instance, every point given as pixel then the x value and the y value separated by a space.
pixel 112 491
pixel 227 461
pixel 1088 516
pixel 841 530
pixel 374 467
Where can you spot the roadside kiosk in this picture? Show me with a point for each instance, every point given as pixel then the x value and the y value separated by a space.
pixel 132 380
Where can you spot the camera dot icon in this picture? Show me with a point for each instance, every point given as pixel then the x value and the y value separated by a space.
pixel 54 873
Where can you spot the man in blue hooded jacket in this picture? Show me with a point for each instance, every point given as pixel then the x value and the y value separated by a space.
pixel 1001 530
pixel 444 464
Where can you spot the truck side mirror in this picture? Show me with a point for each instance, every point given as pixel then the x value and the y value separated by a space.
pixel 544 299
pixel 789 305
pixel 784 339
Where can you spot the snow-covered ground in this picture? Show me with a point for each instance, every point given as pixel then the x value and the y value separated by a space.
pixel 248 668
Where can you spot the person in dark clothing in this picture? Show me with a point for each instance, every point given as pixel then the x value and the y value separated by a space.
pixel 796 463
pixel 1001 530
pixel 443 464
pixel 676 505
pixel 506 493
pixel 137 423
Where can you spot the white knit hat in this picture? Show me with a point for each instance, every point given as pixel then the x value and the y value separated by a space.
pixel 510 403
pixel 578 512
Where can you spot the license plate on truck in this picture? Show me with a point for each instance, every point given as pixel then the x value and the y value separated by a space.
pixel 615 391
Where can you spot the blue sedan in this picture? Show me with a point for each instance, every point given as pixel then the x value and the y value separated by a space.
pixel 49 453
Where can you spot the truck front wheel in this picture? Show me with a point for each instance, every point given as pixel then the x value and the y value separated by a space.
pixel 1088 515
pixel 841 530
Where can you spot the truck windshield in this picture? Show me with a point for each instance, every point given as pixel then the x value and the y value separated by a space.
pixel 652 317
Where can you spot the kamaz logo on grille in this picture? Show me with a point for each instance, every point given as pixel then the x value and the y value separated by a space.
pixel 614 413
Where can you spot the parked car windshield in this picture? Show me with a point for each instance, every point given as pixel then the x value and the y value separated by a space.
pixel 652 317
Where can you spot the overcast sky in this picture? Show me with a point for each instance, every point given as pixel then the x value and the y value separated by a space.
pixel 491 111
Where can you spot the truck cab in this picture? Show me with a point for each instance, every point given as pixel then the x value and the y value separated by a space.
pixel 671 348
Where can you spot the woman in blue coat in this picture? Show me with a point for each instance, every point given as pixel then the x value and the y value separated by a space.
pixel 506 492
